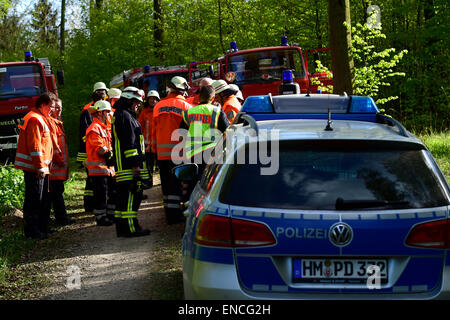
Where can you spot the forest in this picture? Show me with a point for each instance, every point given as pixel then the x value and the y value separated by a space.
pixel 403 64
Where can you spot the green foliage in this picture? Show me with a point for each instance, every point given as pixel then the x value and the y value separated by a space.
pixel 439 146
pixel 12 190
pixel 373 69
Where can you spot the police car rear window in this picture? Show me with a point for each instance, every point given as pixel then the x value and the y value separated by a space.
pixel 338 175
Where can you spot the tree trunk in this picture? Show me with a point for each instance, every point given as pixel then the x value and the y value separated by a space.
pixel 220 27
pixel 158 33
pixel 318 29
pixel 341 41
pixel 63 26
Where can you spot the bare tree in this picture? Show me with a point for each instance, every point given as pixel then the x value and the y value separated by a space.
pixel 158 31
pixel 62 27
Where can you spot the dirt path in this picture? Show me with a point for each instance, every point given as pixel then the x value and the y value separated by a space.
pixel 120 268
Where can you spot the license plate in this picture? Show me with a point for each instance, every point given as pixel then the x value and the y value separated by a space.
pixel 339 270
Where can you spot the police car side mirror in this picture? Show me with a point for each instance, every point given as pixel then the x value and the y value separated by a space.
pixel 186 172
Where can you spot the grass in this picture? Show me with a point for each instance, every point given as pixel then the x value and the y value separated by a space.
pixel 439 146
pixel 21 270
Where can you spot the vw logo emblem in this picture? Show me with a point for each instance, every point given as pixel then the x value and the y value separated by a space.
pixel 341 234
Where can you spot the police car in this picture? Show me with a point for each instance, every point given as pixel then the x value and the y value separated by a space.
pixel 317 197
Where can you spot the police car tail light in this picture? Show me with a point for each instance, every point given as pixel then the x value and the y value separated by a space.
pixel 251 234
pixel 434 234
pixel 214 231
pixel 220 231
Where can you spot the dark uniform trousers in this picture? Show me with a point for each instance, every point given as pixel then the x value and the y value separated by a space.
pixel 103 190
pixel 88 198
pixel 37 199
pixel 171 190
pixel 57 200
pixel 127 205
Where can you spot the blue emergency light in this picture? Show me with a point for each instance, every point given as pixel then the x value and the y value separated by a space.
pixel 146 69
pixel 284 41
pixel 311 107
pixel 287 76
pixel 233 46
pixel 28 55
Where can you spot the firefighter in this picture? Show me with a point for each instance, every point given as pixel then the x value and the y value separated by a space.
pixel 99 93
pixel 167 117
pixel 225 96
pixel 59 170
pixel 238 93
pixel 113 96
pixel 195 99
pixel 131 169
pixel 205 123
pixel 146 122
pixel 99 156
pixel 33 156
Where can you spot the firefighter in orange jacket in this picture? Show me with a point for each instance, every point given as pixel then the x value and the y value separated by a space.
pixel 99 166
pixel 225 96
pixel 59 170
pixel 195 99
pixel 167 117
pixel 99 93
pixel 34 156
pixel 146 122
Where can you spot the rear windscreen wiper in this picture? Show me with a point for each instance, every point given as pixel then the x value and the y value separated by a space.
pixel 342 204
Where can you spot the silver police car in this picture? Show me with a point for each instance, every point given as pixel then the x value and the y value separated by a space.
pixel 317 197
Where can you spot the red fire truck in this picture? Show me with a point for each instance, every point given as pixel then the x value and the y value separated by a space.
pixel 149 78
pixel 21 83
pixel 259 71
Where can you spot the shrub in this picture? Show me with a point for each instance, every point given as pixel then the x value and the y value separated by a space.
pixel 12 189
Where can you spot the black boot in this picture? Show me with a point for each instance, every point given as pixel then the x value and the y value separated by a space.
pixel 135 230
pixel 104 222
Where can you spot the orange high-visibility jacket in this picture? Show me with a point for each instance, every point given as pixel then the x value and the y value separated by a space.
pixel 98 142
pixel 167 116
pixel 60 163
pixel 146 122
pixel 231 107
pixel 85 122
pixel 35 147
pixel 194 100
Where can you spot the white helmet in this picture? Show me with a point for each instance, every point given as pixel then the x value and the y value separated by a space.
pixel 153 93
pixel 180 83
pixel 114 93
pixel 132 93
pixel 238 93
pixel 99 106
pixel 220 85
pixel 100 86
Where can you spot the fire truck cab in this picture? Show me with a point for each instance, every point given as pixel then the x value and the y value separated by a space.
pixel 21 83
pixel 259 71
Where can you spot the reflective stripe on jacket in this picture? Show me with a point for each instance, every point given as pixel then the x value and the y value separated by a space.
pixel 35 147
pixel 202 120
pixel 60 167
pixel 231 107
pixel 167 116
pixel 85 122
pixel 128 146
pixel 98 142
